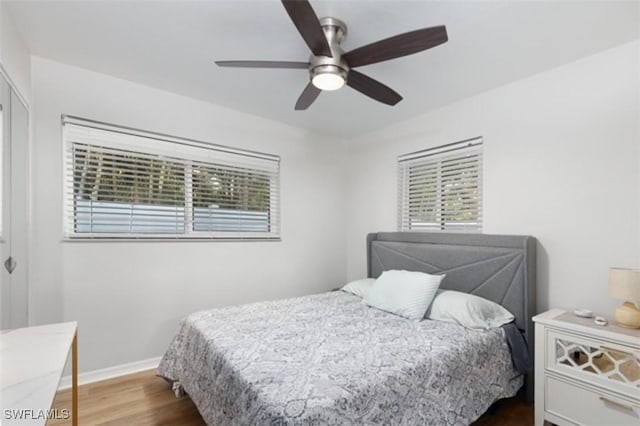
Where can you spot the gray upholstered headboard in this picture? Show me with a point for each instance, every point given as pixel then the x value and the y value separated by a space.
pixel 501 268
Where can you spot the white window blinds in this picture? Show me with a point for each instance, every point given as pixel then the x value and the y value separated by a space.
pixel 441 188
pixel 125 183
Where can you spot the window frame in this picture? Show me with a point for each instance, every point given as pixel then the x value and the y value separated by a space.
pixel 456 151
pixel 189 232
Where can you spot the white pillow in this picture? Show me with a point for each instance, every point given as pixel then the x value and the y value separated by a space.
pixel 404 293
pixel 468 310
pixel 359 287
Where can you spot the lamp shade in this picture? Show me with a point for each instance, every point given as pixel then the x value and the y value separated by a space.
pixel 624 284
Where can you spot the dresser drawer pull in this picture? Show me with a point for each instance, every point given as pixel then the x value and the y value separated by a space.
pixel 619 405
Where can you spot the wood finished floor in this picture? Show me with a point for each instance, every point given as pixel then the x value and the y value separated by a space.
pixel 143 399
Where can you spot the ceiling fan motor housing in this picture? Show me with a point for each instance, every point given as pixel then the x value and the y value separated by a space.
pixel 335 30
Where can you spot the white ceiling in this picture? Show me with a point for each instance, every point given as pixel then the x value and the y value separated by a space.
pixel 171 45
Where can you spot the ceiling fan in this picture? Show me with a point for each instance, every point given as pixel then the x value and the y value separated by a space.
pixel 330 67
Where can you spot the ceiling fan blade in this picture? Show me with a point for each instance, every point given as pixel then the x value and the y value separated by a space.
pixel 309 94
pixel 307 23
pixel 264 64
pixel 372 88
pixel 397 46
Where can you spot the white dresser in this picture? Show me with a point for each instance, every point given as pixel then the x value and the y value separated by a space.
pixel 585 374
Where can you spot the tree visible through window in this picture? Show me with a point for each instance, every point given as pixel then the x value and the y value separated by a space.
pixel 244 194
pixel 441 188
pixel 125 178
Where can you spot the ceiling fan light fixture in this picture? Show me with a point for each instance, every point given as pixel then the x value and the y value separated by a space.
pixel 328 81
pixel 328 77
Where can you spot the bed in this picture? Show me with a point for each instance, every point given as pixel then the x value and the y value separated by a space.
pixel 329 359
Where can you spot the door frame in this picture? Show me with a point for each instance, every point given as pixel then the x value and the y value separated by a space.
pixel 27 187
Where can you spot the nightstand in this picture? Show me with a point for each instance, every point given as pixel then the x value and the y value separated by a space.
pixel 585 374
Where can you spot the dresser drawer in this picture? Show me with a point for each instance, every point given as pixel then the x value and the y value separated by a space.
pixel 605 364
pixel 581 406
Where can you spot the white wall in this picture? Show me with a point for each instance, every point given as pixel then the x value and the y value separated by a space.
pixel 128 297
pixel 561 163
pixel 14 54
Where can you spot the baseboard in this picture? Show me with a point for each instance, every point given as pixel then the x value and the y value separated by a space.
pixel 110 372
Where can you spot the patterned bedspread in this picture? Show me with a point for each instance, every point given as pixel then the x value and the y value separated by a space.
pixel 328 359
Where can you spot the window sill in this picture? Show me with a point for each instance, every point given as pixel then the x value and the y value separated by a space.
pixel 166 240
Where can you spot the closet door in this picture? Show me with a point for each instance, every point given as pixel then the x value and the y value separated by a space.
pixel 13 245
pixel 5 203
pixel 19 211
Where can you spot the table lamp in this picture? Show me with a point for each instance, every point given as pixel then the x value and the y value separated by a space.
pixel 624 284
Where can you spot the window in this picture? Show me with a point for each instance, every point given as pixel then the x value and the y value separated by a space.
pixel 441 188
pixel 125 183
